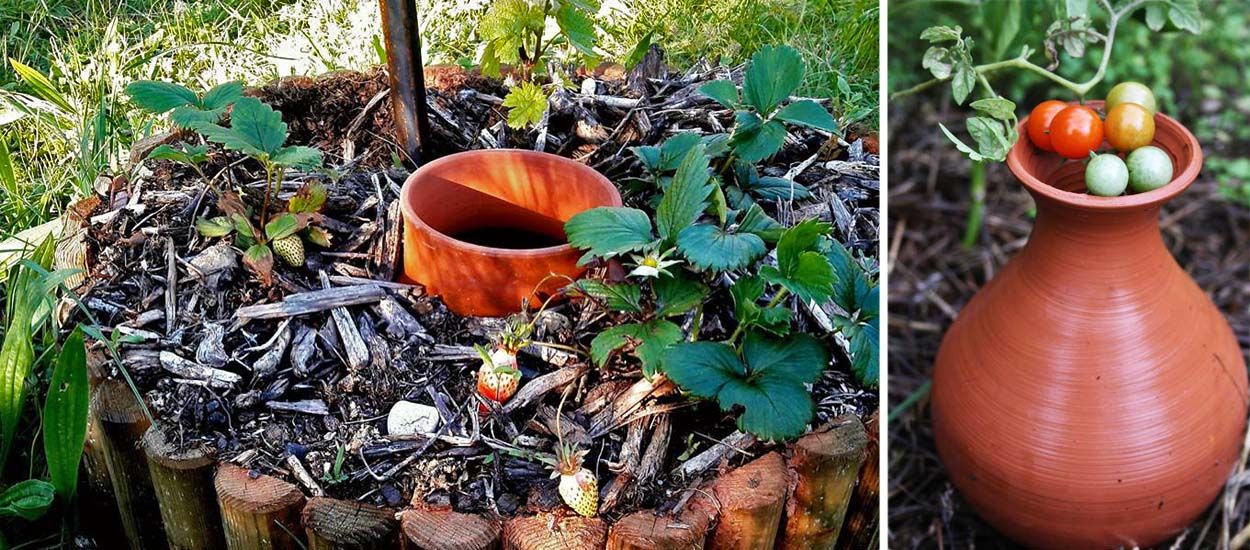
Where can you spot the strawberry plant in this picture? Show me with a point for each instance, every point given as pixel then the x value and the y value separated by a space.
pixel 993 128
pixel 514 32
pixel 186 108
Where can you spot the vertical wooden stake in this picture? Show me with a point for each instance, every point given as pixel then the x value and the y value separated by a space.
pixel 751 501
pixel 546 532
pixel 333 524
pixel 826 465
pixel 96 495
pixel 862 524
pixel 183 480
pixel 259 513
pixel 645 530
pixel 407 74
pixel 444 529
pixel 122 425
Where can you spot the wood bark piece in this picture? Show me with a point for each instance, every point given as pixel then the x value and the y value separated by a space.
pixel 259 513
pixel 183 481
pixel 122 425
pixel 353 344
pixel 699 463
pixel 313 301
pixel 862 517
pixel 826 466
pixel 186 368
pixel 538 387
pixel 444 529
pixel 547 532
pixel 645 530
pixel 751 500
pixel 333 524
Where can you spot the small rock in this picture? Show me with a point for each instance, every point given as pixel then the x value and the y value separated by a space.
pixel 408 418
pixel 214 265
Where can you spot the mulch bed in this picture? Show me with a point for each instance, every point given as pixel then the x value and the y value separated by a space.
pixel 932 276
pixel 296 396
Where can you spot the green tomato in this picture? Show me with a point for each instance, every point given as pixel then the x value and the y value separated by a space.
pixel 1132 92
pixel 1149 168
pixel 1106 176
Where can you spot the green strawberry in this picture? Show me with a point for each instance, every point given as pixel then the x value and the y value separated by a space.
pixel 290 249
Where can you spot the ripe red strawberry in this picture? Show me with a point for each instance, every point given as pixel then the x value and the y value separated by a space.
pixel 578 486
pixel 498 377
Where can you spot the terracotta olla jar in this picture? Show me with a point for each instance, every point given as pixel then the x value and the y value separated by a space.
pixel 484 229
pixel 1091 395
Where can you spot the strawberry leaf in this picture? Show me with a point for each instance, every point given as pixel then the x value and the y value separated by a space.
pixel 714 248
pixel 259 259
pixel 616 296
pixel 190 154
pixel 318 236
pixel 721 91
pixel 526 104
pixel 652 338
pixel 255 129
pixel 756 222
pixel 297 156
pixel 772 188
pixel 773 74
pixel 159 97
pixel 219 226
pixel 310 198
pixel 675 295
pixel 755 140
pixel 222 95
pixel 609 231
pixel 284 225
pixel 801 268
pixel 686 197
pixel 806 112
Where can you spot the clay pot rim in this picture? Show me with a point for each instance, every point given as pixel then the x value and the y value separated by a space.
pixel 405 203
pixel 1156 197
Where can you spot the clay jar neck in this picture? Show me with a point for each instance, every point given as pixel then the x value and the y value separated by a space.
pixel 1084 239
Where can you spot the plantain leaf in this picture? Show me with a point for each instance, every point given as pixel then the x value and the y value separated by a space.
pixel 28 499
pixel 65 416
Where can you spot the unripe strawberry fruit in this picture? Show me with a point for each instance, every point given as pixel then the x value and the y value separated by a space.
pixel 498 378
pixel 578 486
pixel 290 249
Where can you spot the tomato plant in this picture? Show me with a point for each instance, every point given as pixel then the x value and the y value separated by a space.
pixel 1129 126
pixel 1076 132
pixel 1039 123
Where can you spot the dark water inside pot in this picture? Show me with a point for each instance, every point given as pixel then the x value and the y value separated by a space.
pixel 515 238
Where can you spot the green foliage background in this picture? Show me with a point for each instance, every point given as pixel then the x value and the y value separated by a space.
pixel 1198 79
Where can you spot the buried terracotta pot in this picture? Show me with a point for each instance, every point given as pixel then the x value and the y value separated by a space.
pixel 484 228
pixel 1091 395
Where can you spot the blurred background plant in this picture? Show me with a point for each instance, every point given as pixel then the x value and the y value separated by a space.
pixel 64 121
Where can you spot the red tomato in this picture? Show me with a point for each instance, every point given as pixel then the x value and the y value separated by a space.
pixel 1039 123
pixel 1076 132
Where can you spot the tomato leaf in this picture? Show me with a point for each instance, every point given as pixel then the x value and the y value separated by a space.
pixel 65 416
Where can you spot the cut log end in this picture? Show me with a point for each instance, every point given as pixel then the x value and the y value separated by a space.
pixel 443 529
pixel 265 494
pixel 171 455
pixel 826 467
pixel 647 531
pixel 548 532
pixel 751 500
pixel 333 523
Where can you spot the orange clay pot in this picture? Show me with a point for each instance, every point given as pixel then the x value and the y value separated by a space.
pixel 1091 395
pixel 484 228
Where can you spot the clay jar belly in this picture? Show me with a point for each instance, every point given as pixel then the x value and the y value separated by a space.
pixel 1091 395
pixel 485 229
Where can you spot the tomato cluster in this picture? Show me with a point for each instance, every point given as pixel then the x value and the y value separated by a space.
pixel 1077 131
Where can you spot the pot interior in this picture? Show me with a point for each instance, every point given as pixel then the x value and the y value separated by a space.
pixel 506 199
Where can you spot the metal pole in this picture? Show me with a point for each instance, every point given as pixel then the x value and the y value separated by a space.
pixel 403 58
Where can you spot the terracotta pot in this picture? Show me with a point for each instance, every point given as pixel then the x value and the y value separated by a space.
pixel 1091 395
pixel 484 228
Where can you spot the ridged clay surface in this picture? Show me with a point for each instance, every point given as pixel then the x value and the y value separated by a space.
pixel 1091 394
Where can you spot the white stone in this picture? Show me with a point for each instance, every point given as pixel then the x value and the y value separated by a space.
pixel 408 418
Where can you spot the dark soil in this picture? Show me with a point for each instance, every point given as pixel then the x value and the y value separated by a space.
pixel 332 417
pixel 932 276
